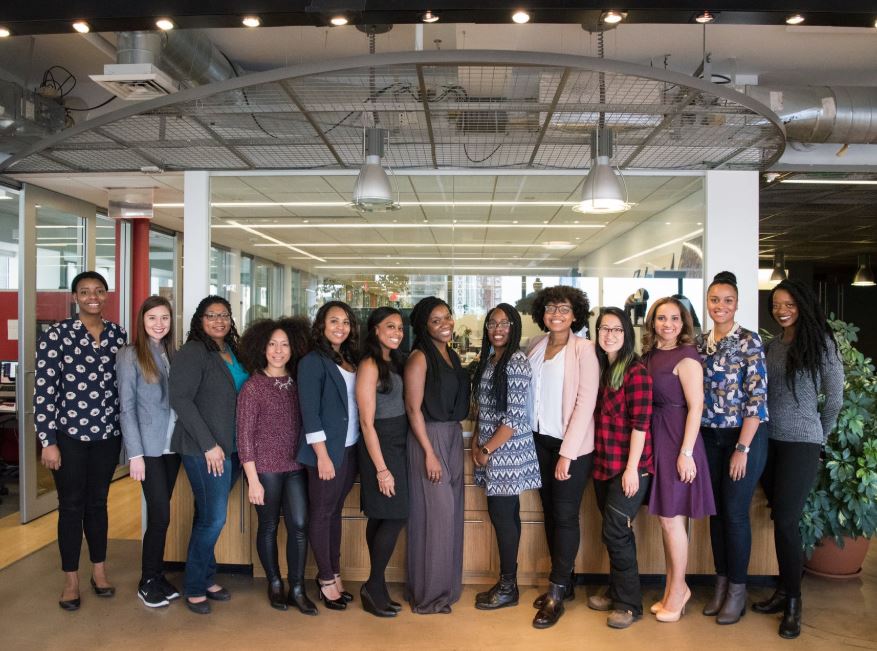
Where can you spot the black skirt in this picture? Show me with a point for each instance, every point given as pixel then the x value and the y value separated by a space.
pixel 393 437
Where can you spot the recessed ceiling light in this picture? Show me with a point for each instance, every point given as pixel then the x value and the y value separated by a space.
pixel 338 21
pixel 704 18
pixel 429 17
pixel 521 17
pixel 164 24
pixel 4 32
pixel 796 19
pixel 251 21
pixel 613 17
pixel 82 27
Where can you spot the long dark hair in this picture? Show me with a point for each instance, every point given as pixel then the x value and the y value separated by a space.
pixel 809 344
pixel 499 381
pixel 196 327
pixel 254 342
pixel 372 349
pixel 349 346
pixel 650 337
pixel 141 340
pixel 419 318
pixel 612 373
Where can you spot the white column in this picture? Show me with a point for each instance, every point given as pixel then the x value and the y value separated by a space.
pixel 196 241
pixel 731 237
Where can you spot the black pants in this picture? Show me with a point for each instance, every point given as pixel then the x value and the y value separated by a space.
pixel 505 514
pixel 618 513
pixel 788 477
pixel 158 487
pixel 730 531
pixel 561 503
pixel 325 501
pixel 286 491
pixel 82 482
pixel 380 536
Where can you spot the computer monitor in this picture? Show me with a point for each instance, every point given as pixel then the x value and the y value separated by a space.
pixel 8 371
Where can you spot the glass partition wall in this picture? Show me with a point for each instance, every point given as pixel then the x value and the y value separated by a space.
pixel 475 240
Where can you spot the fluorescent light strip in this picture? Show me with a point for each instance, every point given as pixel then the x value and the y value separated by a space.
pixel 442 267
pixel 830 181
pixel 276 241
pixel 385 245
pixel 391 258
pixel 661 246
pixel 420 226
pixel 450 203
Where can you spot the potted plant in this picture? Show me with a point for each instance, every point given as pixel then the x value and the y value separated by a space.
pixel 840 515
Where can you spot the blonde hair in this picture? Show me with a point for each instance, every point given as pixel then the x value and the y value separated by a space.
pixel 650 337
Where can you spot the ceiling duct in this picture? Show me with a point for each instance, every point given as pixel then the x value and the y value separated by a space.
pixel 152 64
pixel 815 114
pixel 26 118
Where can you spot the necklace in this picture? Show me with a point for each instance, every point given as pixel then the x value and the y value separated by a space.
pixel 279 383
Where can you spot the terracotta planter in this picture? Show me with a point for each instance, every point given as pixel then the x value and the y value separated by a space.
pixel 832 562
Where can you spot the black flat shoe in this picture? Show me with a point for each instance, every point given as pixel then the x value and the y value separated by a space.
pixel 331 604
pixel 109 591
pixel 219 595
pixel 70 604
pixel 199 608
pixel 369 605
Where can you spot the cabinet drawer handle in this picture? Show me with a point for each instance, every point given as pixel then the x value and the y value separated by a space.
pixel 532 521
pixel 473 521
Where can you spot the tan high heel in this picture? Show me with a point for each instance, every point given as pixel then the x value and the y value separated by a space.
pixel 668 616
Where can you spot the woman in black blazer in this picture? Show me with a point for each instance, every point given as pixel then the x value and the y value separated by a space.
pixel 326 380
pixel 204 382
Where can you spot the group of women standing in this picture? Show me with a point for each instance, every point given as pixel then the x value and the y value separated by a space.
pixel 304 408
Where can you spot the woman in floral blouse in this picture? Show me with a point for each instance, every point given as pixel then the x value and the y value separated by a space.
pixel 735 402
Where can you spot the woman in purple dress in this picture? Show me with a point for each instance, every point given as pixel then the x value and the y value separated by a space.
pixel 681 488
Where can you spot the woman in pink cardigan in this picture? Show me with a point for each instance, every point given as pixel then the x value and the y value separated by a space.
pixel 563 393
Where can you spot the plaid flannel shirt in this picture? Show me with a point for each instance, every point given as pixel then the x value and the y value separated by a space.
pixel 619 412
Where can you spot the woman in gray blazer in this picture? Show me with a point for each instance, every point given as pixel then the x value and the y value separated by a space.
pixel 147 424
pixel 204 382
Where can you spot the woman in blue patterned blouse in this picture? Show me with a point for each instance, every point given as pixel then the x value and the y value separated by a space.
pixel 503 452
pixel 76 416
pixel 735 402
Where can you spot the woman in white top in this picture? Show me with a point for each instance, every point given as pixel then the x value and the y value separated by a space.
pixel 566 377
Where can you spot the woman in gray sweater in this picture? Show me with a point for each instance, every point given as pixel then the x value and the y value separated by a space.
pixel 802 363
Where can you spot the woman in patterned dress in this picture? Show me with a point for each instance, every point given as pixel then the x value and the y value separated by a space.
pixel 504 453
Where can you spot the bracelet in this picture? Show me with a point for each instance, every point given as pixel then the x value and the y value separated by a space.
pixel 382 470
pixel 685 452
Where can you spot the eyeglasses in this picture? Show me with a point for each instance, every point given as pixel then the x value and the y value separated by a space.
pixel 213 316
pixel 562 309
pixel 498 325
pixel 606 330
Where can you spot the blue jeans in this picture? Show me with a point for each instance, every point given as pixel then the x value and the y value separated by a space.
pixel 730 531
pixel 211 503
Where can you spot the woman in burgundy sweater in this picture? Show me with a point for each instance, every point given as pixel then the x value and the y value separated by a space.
pixel 269 433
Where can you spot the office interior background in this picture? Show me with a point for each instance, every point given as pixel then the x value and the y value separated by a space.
pixel 208 154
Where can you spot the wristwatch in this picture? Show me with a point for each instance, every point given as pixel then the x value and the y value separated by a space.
pixel 486 451
pixel 685 452
pixel 742 448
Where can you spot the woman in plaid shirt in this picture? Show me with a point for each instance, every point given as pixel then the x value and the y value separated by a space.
pixel 623 464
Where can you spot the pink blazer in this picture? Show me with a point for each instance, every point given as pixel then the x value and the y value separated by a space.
pixel 581 380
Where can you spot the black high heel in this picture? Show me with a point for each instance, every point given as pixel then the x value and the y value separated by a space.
pixel 70 604
pixel 392 605
pixel 102 592
pixel 331 604
pixel 346 596
pixel 369 605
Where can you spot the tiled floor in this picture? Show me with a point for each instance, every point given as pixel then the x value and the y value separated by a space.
pixel 837 615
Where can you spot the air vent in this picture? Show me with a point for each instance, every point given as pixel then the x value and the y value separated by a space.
pixel 135 81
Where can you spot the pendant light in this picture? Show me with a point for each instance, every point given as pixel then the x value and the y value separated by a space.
pixel 779 268
pixel 864 276
pixel 372 191
pixel 602 192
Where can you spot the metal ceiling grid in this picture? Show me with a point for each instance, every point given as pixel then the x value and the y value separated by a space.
pixel 442 109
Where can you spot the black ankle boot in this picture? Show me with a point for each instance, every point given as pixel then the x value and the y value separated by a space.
pixel 568 595
pixel 504 593
pixel 773 604
pixel 790 627
pixel 298 597
pixel 552 608
pixel 275 594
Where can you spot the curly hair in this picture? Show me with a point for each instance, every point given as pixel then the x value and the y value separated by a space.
pixel 812 332
pixel 196 327
pixel 349 347
pixel 141 340
pixel 499 381
pixel 581 307
pixel 254 342
pixel 372 349
pixel 650 337
pixel 612 373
